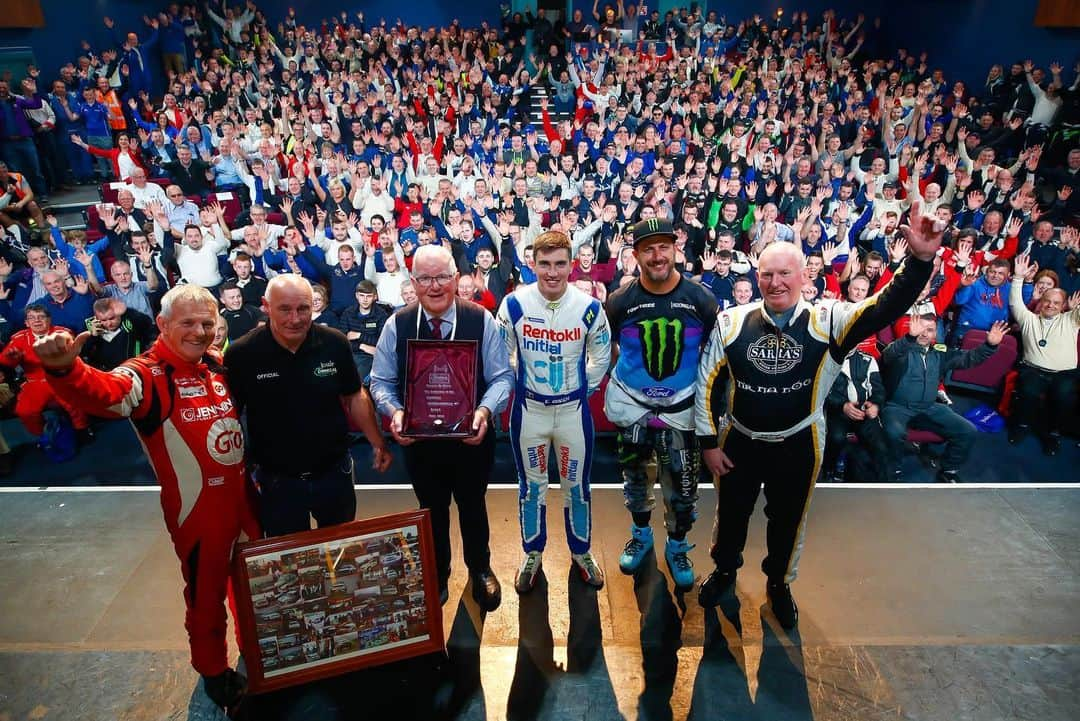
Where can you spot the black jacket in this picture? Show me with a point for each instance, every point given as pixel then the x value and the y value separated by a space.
pixel 136 333
pixel 935 360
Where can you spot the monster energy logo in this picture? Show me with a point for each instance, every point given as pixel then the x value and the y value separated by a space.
pixel 661 346
pixel 652 224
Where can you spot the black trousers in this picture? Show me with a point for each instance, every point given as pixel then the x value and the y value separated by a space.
pixel 288 502
pixel 788 470
pixel 1049 414
pixel 442 471
pixel 870 433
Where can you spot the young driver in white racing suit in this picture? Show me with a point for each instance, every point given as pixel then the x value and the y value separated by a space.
pixel 560 347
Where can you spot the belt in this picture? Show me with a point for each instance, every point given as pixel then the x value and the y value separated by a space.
pixel 776 436
pixel 307 475
pixel 557 400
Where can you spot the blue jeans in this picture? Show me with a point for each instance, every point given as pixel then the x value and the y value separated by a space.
pixel 21 156
pixel 102 142
pixel 958 432
pixel 81 163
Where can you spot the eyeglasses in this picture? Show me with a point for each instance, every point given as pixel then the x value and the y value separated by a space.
pixel 426 281
pixel 175 195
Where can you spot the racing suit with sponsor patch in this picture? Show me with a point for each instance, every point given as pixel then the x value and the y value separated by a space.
pixel 560 351
pixel 651 394
pixel 760 396
pixel 185 419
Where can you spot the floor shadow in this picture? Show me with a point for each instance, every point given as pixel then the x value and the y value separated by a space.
pixel 782 693
pixel 535 665
pixel 586 667
pixel 661 639
pixel 721 691
pixel 721 687
pixel 460 685
pixel 403 689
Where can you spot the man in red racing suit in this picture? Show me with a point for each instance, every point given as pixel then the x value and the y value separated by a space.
pixel 176 398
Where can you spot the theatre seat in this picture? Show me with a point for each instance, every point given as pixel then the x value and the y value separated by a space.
pixel 986 377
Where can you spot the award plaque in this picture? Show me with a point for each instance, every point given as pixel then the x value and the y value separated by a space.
pixel 440 388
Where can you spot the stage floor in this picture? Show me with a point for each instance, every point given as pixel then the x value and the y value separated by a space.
pixel 942 603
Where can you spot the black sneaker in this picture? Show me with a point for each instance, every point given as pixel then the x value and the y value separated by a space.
pixel 1051 444
pixel 783 605
pixel 7 463
pixel 85 436
pixel 714 587
pixel 944 476
pixel 1018 433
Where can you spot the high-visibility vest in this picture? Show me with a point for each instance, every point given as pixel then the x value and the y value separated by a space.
pixel 17 185
pixel 116 112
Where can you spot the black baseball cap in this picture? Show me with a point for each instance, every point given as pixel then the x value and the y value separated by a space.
pixel 651 228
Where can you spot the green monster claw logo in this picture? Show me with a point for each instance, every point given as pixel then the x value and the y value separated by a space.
pixel 661 346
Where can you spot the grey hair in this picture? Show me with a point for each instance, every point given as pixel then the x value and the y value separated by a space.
pixel 435 253
pixel 186 293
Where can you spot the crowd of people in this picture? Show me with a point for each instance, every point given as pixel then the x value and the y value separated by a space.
pixel 769 235
pixel 353 143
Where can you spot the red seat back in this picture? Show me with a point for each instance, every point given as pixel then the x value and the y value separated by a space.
pixel 988 375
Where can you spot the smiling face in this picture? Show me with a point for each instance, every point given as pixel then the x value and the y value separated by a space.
pixel 552 271
pixel 37 322
pixel 656 257
pixel 435 297
pixel 189 328
pixel 780 276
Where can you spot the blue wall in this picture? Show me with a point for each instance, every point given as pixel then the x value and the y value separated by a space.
pixel 964 37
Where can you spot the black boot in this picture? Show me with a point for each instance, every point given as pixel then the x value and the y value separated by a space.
pixel 783 605
pixel 714 587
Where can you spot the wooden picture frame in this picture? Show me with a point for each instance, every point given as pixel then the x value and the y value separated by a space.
pixel 321 603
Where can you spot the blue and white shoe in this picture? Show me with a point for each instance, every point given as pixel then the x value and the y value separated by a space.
pixel 679 564
pixel 639 545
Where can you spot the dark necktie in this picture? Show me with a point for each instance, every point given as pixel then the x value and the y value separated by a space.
pixel 436 328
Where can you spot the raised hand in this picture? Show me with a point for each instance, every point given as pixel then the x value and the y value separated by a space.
pixel 897 250
pixel 1021 265
pixel 997 332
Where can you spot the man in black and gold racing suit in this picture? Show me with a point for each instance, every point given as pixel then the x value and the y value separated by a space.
pixel 764 377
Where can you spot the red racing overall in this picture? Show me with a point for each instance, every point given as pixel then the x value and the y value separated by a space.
pixel 186 421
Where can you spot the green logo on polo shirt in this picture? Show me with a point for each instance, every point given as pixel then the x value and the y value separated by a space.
pixel 326 369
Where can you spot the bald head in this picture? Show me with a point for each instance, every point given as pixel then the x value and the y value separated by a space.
pixel 287 284
pixel 780 276
pixel 287 303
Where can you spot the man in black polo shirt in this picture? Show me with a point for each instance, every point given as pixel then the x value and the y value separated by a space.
pixel 442 470
pixel 299 385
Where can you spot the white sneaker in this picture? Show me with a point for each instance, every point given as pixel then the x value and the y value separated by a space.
pixel 589 570
pixel 530 569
